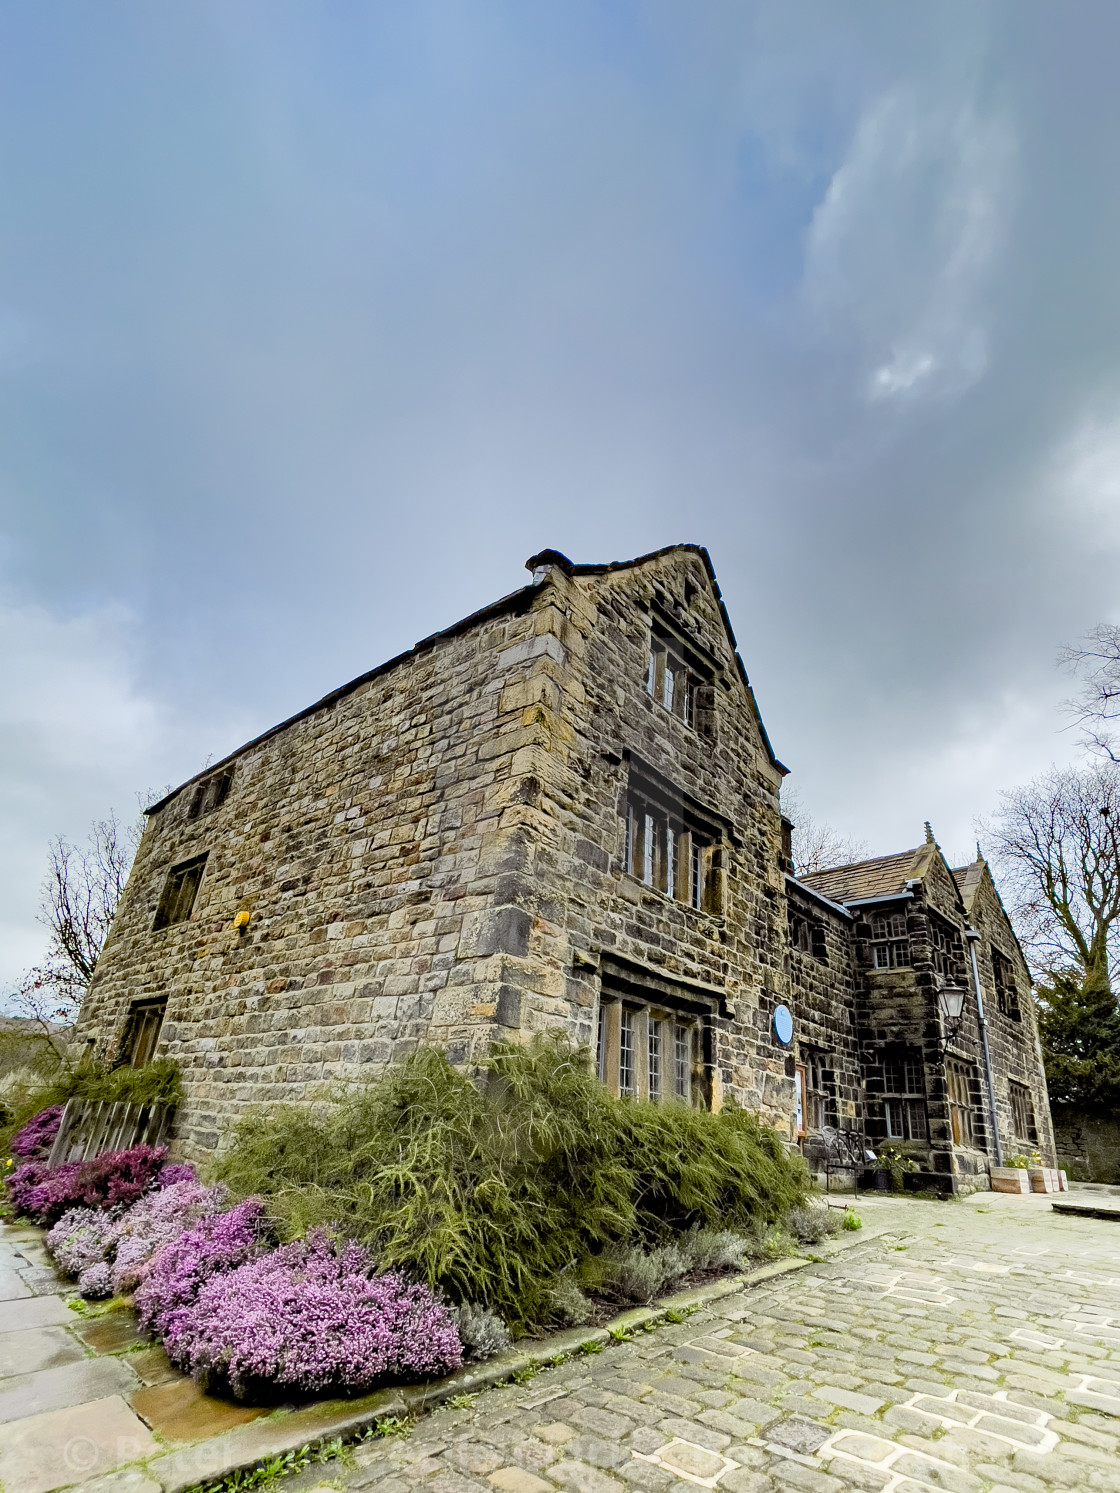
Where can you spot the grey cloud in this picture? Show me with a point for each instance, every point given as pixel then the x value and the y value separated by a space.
pixel 318 320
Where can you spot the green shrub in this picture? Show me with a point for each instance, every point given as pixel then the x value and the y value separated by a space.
pixel 490 1191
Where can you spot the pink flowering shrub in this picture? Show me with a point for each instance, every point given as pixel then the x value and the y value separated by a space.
pixel 216 1244
pixel 176 1171
pixel 155 1221
pixel 37 1136
pixel 23 1183
pixel 117 1178
pixel 313 1316
pixel 80 1239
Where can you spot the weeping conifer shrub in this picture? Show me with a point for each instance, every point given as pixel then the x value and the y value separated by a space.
pixel 489 1190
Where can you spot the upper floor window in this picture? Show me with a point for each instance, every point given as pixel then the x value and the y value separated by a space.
pixel 672 681
pixel 179 892
pixel 890 944
pixel 211 793
pixel 807 936
pixel 946 946
pixel 667 851
pixel 1007 995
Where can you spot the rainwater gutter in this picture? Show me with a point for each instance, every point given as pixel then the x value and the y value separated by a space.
pixel 973 939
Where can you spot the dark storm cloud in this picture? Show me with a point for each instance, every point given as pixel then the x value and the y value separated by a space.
pixel 316 320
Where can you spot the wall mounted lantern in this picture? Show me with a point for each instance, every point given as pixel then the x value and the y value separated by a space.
pixel 950 999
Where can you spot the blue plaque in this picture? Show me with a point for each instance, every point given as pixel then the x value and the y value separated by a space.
pixel 783 1025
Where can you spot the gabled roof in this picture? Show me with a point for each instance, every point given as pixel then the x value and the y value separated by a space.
pixel 516 601
pixel 882 876
pixel 554 557
pixel 968 879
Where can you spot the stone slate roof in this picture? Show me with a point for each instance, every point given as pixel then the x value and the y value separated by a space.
pixel 968 880
pixel 881 876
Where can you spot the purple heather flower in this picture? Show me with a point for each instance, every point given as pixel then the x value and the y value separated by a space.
pixel 178 1272
pixel 155 1221
pixel 37 1136
pixel 312 1316
pixel 176 1171
pixel 97 1281
pixel 80 1239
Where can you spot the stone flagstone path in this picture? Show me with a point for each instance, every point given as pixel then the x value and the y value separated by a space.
pixel 80 1396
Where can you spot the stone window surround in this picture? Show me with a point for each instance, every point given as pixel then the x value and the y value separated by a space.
pixel 686 854
pixel 962 1083
pixel 649 1051
pixel 905 1115
pixel 142 1028
pixel 1023 1124
pixel 180 892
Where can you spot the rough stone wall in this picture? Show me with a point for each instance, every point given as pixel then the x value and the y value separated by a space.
pixel 366 840
pixel 601 721
pixel 1088 1145
pixel 822 994
pixel 1015 1049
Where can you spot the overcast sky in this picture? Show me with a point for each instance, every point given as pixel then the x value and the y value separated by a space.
pixel 318 318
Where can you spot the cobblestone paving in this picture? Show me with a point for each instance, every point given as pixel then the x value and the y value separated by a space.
pixel 976 1347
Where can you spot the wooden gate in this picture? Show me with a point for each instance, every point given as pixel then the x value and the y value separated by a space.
pixel 89 1129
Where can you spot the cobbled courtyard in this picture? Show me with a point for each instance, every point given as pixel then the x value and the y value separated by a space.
pixel 974 1346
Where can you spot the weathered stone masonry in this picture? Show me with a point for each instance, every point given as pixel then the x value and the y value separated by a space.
pixel 562 812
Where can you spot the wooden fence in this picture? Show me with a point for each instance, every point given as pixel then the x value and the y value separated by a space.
pixel 88 1129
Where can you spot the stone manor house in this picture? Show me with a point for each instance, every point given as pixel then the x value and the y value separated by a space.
pixel 563 812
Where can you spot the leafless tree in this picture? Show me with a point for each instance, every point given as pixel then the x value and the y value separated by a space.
pixel 816 845
pixel 79 896
pixel 1096 663
pixel 1056 843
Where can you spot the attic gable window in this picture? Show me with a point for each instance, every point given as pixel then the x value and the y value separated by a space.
pixel 179 892
pixel 1007 996
pixel 676 677
pixel 211 793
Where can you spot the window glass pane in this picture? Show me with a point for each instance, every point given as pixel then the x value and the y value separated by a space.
pixel 648 850
pixel 626 1066
pixel 682 1061
pixel 601 1043
pixel 697 876
pixel 669 686
pixel 651 674
pixel 655 1059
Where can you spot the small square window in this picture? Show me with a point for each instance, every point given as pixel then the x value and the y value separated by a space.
pixel 211 793
pixel 179 892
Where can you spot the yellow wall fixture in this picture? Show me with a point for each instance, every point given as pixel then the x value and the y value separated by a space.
pixel 242 919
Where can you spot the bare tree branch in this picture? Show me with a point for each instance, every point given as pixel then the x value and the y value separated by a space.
pixel 1056 843
pixel 816 845
pixel 79 896
pixel 1096 709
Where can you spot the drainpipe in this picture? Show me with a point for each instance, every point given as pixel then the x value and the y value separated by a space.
pixel 973 939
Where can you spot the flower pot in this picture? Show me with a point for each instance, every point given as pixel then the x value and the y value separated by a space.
pixel 1010 1179
pixel 882 1181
